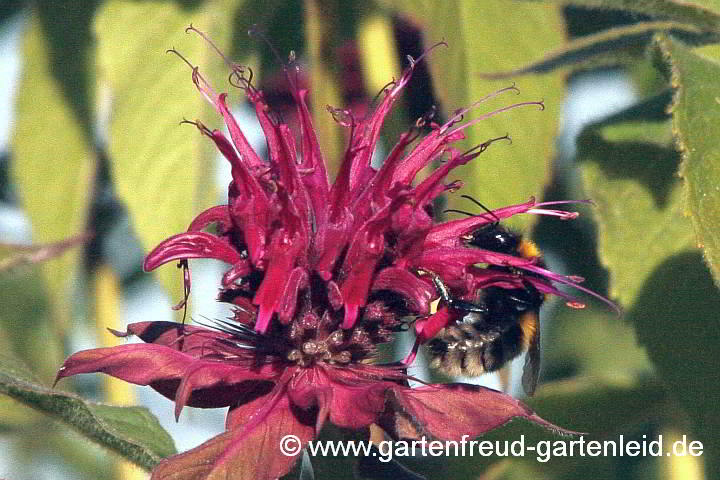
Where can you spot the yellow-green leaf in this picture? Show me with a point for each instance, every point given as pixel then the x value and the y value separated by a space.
pixel 53 158
pixel 324 87
pixel 489 38
pixel 162 170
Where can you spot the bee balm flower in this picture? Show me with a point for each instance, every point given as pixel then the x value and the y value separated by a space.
pixel 320 274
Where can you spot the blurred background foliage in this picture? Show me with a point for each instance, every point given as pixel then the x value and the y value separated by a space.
pixel 96 147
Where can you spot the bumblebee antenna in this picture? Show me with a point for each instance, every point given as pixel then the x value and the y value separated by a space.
pixel 497 220
pixel 452 210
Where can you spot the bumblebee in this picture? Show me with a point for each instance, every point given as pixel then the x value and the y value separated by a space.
pixel 503 323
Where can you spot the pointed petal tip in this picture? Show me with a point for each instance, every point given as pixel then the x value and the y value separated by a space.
pixel 263 319
pixel 535 418
pixel 351 312
pixel 178 410
pixel 60 375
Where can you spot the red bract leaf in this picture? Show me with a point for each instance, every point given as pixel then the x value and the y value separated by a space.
pixel 212 383
pixel 451 411
pixel 251 450
pixel 218 214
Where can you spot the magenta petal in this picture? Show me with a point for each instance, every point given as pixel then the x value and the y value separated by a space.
pixel 416 291
pixel 449 233
pixel 270 296
pixel 238 270
pixel 248 451
pixel 217 214
pixel 190 245
pixel 297 279
pixel 247 154
pixel 428 327
pixel 448 412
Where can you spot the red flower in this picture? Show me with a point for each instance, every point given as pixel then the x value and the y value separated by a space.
pixel 320 274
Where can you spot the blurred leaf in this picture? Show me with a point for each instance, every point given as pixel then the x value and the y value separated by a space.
pixel 324 85
pixel 489 39
pixel 676 317
pixel 10 8
pixel 163 170
pixel 25 326
pixel 378 53
pixel 332 466
pixel 592 343
pixel 14 416
pixel 54 161
pixel 583 51
pixel 82 460
pixel 696 124
pixel 628 167
pixel 704 14
pixel 132 432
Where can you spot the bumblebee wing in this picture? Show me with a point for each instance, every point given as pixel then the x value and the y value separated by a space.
pixel 531 370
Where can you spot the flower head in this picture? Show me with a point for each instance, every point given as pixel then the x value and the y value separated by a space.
pixel 319 274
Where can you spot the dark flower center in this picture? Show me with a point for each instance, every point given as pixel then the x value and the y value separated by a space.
pixel 314 334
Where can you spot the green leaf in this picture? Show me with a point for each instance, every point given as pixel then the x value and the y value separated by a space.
pixel 619 45
pixel 629 170
pixel 496 38
pixel 704 14
pixel 676 318
pixel 53 158
pixel 696 124
pixel 132 432
pixel 10 8
pixel 25 326
pixel 162 170
pixel 571 347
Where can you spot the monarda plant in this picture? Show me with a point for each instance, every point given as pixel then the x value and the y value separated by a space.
pixel 319 275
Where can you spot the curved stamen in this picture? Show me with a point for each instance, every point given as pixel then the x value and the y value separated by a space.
pixel 563 215
pixel 570 281
pixel 199 125
pixel 202 85
pixel 484 146
pixel 490 114
pixel 426 117
pixel 255 32
pixel 238 79
pixel 342 116
pixel 414 61
pixel 212 45
pixel 460 113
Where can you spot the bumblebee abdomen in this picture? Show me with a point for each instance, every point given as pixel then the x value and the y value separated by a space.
pixel 470 350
